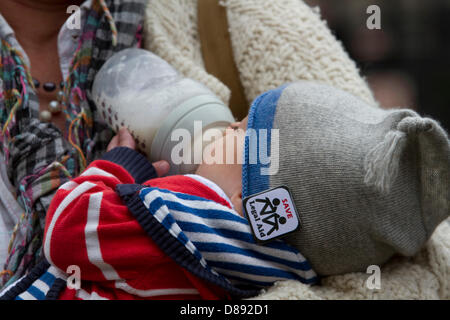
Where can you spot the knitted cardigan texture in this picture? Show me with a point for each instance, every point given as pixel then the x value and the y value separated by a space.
pixel 273 42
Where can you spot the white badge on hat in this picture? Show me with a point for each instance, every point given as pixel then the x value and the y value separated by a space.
pixel 272 214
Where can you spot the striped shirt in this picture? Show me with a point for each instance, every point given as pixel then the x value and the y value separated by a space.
pixel 133 236
pixel 222 240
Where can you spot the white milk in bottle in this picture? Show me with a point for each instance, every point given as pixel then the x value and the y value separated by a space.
pixel 162 109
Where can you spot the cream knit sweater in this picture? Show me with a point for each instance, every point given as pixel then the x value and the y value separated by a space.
pixel 274 42
pixel 279 41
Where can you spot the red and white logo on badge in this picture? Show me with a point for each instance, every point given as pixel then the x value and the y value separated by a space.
pixel 272 214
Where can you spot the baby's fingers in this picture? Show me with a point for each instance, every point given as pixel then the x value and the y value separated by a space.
pixel 123 138
pixel 126 139
pixel 113 143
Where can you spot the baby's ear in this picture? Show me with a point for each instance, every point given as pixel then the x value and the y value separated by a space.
pixel 236 200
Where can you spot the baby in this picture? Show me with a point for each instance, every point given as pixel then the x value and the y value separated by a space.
pixel 347 186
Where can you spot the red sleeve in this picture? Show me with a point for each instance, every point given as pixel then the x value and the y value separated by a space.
pixel 88 226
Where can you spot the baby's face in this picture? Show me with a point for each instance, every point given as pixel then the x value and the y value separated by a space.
pixel 222 162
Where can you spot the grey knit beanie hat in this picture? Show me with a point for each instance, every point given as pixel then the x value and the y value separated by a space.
pixel 367 183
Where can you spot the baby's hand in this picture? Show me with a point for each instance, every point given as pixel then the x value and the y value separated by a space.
pixel 122 139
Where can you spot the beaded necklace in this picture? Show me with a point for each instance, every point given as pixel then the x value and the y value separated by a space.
pixel 54 107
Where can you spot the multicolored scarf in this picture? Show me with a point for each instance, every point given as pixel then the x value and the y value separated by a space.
pixel 38 157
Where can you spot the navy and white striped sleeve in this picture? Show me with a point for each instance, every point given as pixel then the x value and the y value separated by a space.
pixel 223 242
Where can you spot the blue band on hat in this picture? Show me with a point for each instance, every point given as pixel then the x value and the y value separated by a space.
pixel 261 116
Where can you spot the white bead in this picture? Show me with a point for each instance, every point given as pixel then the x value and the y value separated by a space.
pixel 54 107
pixel 60 96
pixel 45 116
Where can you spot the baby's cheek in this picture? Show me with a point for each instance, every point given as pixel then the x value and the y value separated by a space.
pixel 234 147
pixel 214 152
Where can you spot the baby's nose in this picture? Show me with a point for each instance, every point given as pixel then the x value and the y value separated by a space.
pixel 234 125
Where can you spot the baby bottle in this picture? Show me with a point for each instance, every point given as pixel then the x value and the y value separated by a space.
pixel 168 115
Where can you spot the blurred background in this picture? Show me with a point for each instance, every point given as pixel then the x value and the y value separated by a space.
pixel 407 61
